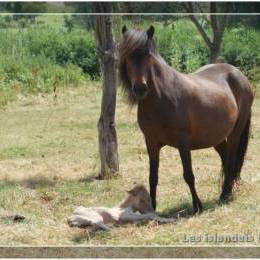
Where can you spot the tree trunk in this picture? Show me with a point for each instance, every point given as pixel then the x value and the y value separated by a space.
pixel 106 49
pixel 214 52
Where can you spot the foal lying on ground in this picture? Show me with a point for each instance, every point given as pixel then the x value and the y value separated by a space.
pixel 137 206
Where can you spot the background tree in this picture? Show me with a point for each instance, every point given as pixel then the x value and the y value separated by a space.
pixel 106 48
pixel 22 7
pixel 217 23
pixel 245 7
pixel 86 21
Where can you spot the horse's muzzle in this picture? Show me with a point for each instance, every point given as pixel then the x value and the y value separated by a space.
pixel 140 90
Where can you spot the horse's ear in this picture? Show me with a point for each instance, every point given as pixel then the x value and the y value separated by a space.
pixel 150 32
pixel 124 29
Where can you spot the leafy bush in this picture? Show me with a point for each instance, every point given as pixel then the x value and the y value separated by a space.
pixel 63 47
pixel 36 74
pixel 79 21
pixel 254 76
pixel 181 46
pixel 55 43
pixel 39 57
pixel 241 47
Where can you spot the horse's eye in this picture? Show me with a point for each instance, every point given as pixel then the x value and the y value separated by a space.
pixel 145 52
pixel 141 52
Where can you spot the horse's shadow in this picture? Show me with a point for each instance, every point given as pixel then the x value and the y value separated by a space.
pixel 185 209
pixel 83 235
pixel 89 179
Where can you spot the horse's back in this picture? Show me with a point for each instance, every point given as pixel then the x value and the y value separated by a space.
pixel 223 72
pixel 226 75
pixel 215 67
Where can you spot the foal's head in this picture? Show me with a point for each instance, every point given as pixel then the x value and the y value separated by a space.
pixel 135 54
pixel 138 199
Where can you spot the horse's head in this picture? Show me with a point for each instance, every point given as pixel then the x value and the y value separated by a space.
pixel 135 53
pixel 139 199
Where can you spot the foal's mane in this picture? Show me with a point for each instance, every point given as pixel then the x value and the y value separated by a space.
pixel 136 42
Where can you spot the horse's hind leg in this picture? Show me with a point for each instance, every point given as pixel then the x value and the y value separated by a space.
pixel 222 151
pixel 236 148
pixel 232 144
pixel 189 178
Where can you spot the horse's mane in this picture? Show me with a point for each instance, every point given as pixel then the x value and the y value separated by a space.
pixel 135 41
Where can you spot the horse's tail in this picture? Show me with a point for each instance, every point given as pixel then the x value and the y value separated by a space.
pixel 241 150
pixel 239 137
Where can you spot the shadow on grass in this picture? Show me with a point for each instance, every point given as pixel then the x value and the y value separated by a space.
pixel 88 179
pixel 32 182
pixel 35 182
pixel 97 177
pixel 87 234
pixel 83 235
pixel 185 209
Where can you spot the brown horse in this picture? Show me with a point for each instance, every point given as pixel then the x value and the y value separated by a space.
pixel 208 108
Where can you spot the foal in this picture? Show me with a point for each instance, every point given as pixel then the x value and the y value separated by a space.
pixel 135 207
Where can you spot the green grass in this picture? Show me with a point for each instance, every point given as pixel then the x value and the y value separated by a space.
pixel 49 158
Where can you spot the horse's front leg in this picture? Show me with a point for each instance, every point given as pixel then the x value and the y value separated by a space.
pixel 153 152
pixel 185 154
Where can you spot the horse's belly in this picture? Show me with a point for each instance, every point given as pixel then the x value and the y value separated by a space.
pixel 204 121
pixel 211 128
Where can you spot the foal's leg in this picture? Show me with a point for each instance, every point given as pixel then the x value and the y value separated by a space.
pixel 153 152
pixel 189 178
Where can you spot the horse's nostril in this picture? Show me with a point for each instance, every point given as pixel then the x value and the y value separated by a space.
pixel 140 89
pixel 135 88
pixel 143 86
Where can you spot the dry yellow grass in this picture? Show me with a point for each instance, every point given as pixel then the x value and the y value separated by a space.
pixel 49 156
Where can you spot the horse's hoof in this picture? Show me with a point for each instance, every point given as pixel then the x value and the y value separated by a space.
pixel 225 198
pixel 197 207
pixel 198 210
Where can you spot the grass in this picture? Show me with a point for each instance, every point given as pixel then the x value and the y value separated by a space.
pixel 49 158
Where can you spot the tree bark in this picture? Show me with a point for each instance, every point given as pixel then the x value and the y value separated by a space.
pixel 106 49
pixel 214 52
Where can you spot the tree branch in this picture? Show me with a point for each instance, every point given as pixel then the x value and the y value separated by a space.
pixel 213 18
pixel 189 8
pixel 218 23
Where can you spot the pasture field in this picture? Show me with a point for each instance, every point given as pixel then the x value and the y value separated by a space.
pixel 49 161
